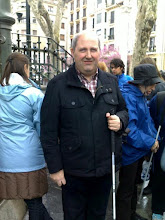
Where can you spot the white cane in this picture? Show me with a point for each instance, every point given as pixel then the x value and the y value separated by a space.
pixel 113 174
pixel 148 168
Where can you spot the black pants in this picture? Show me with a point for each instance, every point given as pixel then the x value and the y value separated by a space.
pixel 37 210
pixel 85 198
pixel 126 198
pixel 158 189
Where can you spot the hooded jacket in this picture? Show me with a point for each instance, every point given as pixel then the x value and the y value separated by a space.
pixel 142 133
pixel 122 79
pixel 20 148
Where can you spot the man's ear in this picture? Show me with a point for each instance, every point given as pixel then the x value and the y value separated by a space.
pixel 72 51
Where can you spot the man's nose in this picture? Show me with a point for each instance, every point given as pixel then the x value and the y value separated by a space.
pixel 88 54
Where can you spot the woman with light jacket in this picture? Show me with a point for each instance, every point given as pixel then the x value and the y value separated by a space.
pixel 140 139
pixel 22 164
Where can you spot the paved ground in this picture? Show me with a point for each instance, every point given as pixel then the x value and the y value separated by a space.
pixel 54 204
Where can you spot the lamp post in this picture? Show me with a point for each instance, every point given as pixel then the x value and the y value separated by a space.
pixel 6 21
pixel 28 38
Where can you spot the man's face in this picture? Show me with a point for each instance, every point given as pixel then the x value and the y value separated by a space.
pixel 116 70
pixel 86 55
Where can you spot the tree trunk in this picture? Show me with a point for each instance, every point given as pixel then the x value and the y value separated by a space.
pixel 145 20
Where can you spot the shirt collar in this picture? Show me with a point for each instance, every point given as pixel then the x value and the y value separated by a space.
pixel 82 77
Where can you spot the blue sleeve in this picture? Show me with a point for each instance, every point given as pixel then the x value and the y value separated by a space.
pixel 137 137
pixel 36 111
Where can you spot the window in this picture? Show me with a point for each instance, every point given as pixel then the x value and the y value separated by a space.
pixel 72 6
pixel 34 45
pixel 112 17
pixel 111 46
pixel 24 44
pixel 105 16
pixel 62 37
pixel 77 27
pixel 84 2
pixel 71 30
pixel 84 12
pixel 62 25
pixel 34 32
pixel 93 23
pixel 50 9
pixel 152 46
pixel 98 32
pixel 105 33
pixel 111 34
pixel 98 18
pixel 23 20
pixel 71 17
pixel 84 25
pixel 154 27
pixel 99 2
pixel 78 14
pixel 78 3
pixel 34 20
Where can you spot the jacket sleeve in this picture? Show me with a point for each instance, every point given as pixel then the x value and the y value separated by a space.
pixel 122 111
pixel 50 113
pixel 137 138
pixel 36 110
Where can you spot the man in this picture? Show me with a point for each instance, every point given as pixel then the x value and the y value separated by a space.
pixel 75 117
pixel 117 68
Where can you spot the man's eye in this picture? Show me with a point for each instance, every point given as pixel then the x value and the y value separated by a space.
pixel 94 50
pixel 82 50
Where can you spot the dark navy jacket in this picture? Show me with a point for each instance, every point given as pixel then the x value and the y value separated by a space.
pixel 74 131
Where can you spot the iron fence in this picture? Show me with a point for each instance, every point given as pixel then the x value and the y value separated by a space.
pixel 47 57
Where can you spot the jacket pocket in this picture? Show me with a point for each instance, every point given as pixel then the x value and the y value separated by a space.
pixel 112 101
pixel 70 145
pixel 73 103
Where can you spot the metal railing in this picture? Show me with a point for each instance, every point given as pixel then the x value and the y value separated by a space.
pixel 47 58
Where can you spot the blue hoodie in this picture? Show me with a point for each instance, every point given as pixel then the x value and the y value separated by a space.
pixel 142 133
pixel 20 148
pixel 122 79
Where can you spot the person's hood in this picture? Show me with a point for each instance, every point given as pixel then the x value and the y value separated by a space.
pixel 16 86
pixel 131 89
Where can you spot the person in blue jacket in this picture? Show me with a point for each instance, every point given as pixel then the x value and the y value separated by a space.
pixel 22 164
pixel 117 68
pixel 140 139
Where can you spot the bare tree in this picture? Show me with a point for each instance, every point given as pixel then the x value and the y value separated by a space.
pixel 145 20
pixel 43 18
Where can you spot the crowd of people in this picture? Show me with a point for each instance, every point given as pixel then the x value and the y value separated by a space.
pixel 70 130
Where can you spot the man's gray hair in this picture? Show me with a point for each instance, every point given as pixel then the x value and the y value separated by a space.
pixel 76 37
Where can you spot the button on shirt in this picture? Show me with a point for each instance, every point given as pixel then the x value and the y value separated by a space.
pixel 90 85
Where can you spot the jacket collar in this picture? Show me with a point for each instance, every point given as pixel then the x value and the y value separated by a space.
pixel 104 84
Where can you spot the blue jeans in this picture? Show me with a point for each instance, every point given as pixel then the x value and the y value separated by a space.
pixel 37 210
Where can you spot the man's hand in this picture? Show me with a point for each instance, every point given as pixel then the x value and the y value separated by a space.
pixel 58 178
pixel 155 147
pixel 114 123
